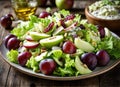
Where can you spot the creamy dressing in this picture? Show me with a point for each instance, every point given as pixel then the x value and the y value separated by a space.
pixel 105 12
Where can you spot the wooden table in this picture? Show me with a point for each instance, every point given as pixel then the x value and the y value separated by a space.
pixel 9 77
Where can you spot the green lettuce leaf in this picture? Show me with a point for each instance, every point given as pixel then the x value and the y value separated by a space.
pixel 33 64
pixel 24 27
pixel 12 56
pixel 111 45
pixel 68 69
pixel 77 18
pixel 115 52
pixel 64 12
pixel 57 53
pixel 21 29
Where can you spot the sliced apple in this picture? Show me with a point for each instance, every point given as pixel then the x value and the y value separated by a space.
pixel 41 56
pixel 58 30
pixel 39 27
pixel 107 32
pixel 60 63
pixel 29 38
pixel 68 23
pixel 92 36
pixel 83 45
pixel 30 44
pixel 71 27
pixel 51 41
pixel 82 68
pixel 38 36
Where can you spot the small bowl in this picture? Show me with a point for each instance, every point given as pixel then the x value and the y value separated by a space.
pixel 113 25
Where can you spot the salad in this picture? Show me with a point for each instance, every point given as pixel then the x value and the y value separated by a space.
pixel 61 44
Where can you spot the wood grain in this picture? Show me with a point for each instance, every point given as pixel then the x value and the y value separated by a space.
pixel 23 80
pixel 4 70
pixel 111 78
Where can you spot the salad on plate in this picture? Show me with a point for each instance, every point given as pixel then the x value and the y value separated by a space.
pixel 61 44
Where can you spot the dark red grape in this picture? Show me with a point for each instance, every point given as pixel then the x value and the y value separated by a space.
pixel 82 26
pixel 90 60
pixel 7 38
pixel 47 66
pixel 69 47
pixel 103 58
pixel 10 15
pixel 101 31
pixel 6 22
pixel 13 43
pixel 62 23
pixel 69 17
pixel 23 57
pixel 44 14
pixel 49 27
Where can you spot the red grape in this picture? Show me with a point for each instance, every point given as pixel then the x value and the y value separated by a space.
pixel 10 15
pixel 90 60
pixel 49 27
pixel 69 47
pixel 62 23
pixel 103 58
pixel 101 31
pixel 23 57
pixel 69 17
pixel 47 66
pixel 82 26
pixel 13 43
pixel 6 22
pixel 7 38
pixel 44 14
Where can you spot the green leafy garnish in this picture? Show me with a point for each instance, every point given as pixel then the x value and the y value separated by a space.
pixel 12 56
pixel 68 69
pixel 111 45
pixel 21 29
pixel 111 2
pixel 33 64
pixel 57 53
pixel 64 12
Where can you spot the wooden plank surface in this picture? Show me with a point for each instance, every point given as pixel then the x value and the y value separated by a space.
pixel 22 80
pixel 4 70
pixel 111 78
pixel 9 77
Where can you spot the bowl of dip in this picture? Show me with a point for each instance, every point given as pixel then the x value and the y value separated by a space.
pixel 104 13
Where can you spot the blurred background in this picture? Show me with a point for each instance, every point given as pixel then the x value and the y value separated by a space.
pixel 81 4
pixel 78 6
